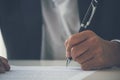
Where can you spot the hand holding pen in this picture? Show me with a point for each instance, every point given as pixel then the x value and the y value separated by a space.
pixel 70 58
pixel 90 50
pixel 86 21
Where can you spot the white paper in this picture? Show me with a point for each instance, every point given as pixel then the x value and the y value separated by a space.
pixel 45 73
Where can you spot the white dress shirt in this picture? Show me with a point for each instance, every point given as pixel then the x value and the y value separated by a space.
pixel 61 19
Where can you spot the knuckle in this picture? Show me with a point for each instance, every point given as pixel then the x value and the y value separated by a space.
pixel 93 39
pixel 89 31
pixel 69 43
pixel 73 50
pixel 71 38
pixel 73 53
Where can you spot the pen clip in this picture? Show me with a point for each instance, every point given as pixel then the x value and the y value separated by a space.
pixel 89 14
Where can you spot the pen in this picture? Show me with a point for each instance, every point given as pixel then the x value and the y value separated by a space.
pixel 68 60
pixel 86 21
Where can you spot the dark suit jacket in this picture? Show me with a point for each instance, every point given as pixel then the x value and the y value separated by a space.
pixel 21 24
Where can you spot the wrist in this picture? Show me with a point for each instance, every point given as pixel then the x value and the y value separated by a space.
pixel 116 52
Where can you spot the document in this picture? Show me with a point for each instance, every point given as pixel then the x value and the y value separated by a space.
pixel 45 73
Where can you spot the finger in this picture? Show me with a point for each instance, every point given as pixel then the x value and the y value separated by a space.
pixel 92 64
pixel 2 69
pixel 5 63
pixel 66 43
pixel 82 48
pixel 79 37
pixel 76 38
pixel 88 54
pixel 67 53
pixel 79 50
pixel 85 57
pixel 72 41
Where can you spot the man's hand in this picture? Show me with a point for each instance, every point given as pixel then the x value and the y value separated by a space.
pixel 91 51
pixel 4 66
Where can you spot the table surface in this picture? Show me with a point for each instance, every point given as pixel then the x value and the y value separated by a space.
pixel 109 74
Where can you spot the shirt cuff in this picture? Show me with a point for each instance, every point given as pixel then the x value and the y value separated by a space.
pixel 115 40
